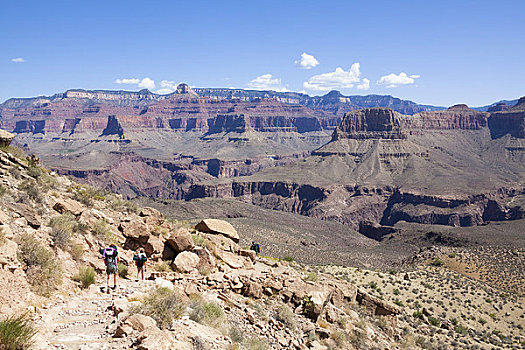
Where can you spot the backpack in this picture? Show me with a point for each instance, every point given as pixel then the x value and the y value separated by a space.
pixel 257 248
pixel 110 256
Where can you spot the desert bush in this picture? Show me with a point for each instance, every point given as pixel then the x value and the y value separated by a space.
pixel 3 190
pixel 30 188
pixel 286 316
pixel 398 303
pixel 339 338
pixel 62 228
pixel 77 252
pixel 256 344
pixel 16 333
pixel 418 314
pixel 288 259
pixel 434 321
pixel 437 262
pixel 198 240
pixel 312 276
pixel 100 229
pixel 236 335
pixel 207 313
pixel 122 270
pixel 86 277
pixel 163 305
pixel 87 194
pixel 118 204
pixel 34 172
pixel 41 266
pixel 15 172
pixel 162 266
pixel 373 285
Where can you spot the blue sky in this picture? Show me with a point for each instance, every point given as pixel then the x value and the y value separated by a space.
pixel 449 51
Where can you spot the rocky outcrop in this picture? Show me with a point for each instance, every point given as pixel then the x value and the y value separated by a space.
pixel 219 227
pixel 113 127
pixel 509 122
pixel 5 138
pixel 376 123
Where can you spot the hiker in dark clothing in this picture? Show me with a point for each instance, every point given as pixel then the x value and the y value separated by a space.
pixel 255 247
pixel 110 256
pixel 140 260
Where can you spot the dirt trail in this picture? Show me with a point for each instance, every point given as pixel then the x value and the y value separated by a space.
pixel 85 321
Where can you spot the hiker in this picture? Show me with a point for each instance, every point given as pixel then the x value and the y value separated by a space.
pixel 140 260
pixel 110 256
pixel 255 247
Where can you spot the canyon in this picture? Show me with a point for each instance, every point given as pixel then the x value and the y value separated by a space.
pixel 337 158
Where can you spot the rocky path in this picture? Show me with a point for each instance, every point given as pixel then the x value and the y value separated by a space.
pixel 86 320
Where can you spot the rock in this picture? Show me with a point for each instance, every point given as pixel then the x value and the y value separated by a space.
pixel 220 227
pixel 180 240
pixel 232 260
pixel 5 138
pixel 248 253
pixel 186 261
pixel 122 331
pixel 147 211
pixel 159 340
pixel 162 283
pixel 33 219
pixel 206 259
pixel 376 306
pixel 140 322
pixel 67 205
pixel 224 243
pixel 251 289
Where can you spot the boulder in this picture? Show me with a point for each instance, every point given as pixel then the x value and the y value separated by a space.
pixel 147 211
pixel 140 322
pixel 5 138
pixel 224 243
pixel 206 259
pixel 67 205
pixel 376 306
pixel 186 261
pixel 249 254
pixel 232 260
pixel 251 289
pixel 33 219
pixel 180 240
pixel 220 227
pixel 151 216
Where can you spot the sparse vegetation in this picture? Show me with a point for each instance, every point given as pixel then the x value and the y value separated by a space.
pixel 286 316
pixel 312 276
pixel 163 305
pixel 122 270
pixel 339 338
pixel 288 259
pixel 16 333
pixel 42 268
pixel 30 188
pixel 207 313
pixel 77 252
pixel 437 262
pixel 86 277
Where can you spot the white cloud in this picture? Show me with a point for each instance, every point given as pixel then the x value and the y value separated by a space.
pixel 392 80
pixel 17 60
pixel 339 79
pixel 127 81
pixel 164 91
pixel 266 82
pixel 365 85
pixel 147 83
pixel 168 84
pixel 307 61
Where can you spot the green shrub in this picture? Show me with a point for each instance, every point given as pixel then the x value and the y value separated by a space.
pixel 62 228
pixel 31 189
pixel 396 291
pixel 77 252
pixel 418 314
pixel 312 276
pixel 87 194
pixel 40 264
pixel 398 303
pixel 482 321
pixel 256 344
pixel 437 262
pixel 162 266
pixel 452 255
pixel 3 190
pixel 286 316
pixel 163 305
pixel 236 335
pixel 288 258
pixel 207 313
pixel 198 240
pixel 86 277
pixel 16 333
pixel 100 229
pixel 118 204
pixel 34 172
pixel 434 321
pixel 122 270
pixel 372 285
pixel 339 338
pixel 460 329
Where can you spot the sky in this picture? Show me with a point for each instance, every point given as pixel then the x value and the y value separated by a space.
pixel 430 52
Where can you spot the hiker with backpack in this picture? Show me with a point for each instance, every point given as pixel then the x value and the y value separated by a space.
pixel 110 256
pixel 140 260
pixel 255 247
